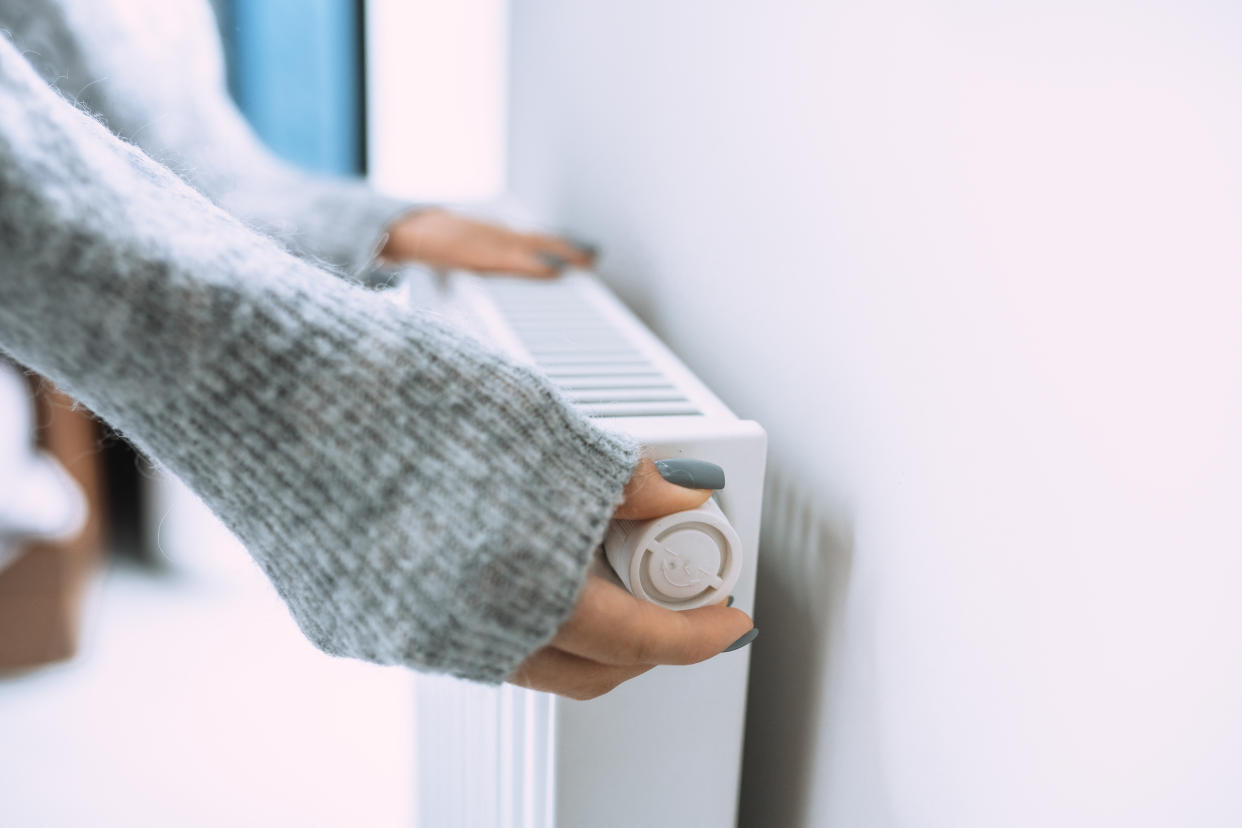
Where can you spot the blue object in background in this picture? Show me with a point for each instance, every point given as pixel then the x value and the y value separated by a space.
pixel 295 69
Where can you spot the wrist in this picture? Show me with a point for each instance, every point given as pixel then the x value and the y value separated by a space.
pixel 406 236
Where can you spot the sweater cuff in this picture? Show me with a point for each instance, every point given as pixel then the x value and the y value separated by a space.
pixel 344 224
pixel 470 529
pixel 339 223
pixel 566 502
pixel 366 267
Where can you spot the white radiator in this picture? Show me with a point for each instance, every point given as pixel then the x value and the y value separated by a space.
pixel 663 749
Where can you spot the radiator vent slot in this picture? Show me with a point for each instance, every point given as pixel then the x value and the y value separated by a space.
pixel 596 365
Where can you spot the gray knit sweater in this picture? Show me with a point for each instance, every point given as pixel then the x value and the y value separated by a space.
pixel 153 72
pixel 415 498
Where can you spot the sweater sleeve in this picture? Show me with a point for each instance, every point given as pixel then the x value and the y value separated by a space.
pixel 153 72
pixel 415 498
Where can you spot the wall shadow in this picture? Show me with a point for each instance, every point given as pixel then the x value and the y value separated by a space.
pixel 805 564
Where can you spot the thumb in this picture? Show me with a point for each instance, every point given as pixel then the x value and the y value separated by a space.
pixel 666 486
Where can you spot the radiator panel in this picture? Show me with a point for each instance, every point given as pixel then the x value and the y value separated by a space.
pixel 662 749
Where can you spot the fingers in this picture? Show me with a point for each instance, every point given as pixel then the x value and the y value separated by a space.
pixel 533 254
pixel 611 626
pixel 443 239
pixel 555 671
pixel 649 495
pixel 573 252
pixel 515 255
pixel 613 636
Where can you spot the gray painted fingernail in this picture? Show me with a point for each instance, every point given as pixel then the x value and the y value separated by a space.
pixel 584 247
pixel 552 260
pixel 692 474
pixel 729 603
pixel 743 641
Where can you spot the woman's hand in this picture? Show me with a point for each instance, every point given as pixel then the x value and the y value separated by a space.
pixel 442 239
pixel 612 636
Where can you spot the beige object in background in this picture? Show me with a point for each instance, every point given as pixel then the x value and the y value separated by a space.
pixel 43 587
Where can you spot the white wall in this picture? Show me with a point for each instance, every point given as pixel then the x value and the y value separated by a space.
pixel 976 268
pixel 436 97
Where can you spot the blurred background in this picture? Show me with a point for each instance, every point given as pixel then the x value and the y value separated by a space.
pixel 976 267
pixel 149 674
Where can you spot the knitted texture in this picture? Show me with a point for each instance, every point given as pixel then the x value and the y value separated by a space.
pixel 153 72
pixel 415 498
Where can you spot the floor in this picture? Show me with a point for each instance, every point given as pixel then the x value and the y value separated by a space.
pixel 196 702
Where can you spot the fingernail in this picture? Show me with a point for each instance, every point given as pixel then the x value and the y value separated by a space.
pixel 729 603
pixel 692 474
pixel 552 260
pixel 743 641
pixel 584 247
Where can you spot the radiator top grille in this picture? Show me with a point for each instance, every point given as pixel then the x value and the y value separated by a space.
pixel 604 372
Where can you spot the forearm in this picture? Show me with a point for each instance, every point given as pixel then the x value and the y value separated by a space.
pixel 415 498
